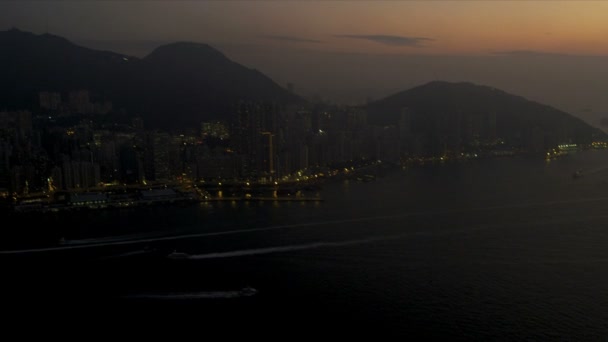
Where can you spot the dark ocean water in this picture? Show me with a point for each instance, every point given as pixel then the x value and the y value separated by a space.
pixel 507 249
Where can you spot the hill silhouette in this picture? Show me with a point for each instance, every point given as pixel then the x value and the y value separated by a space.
pixel 486 111
pixel 178 84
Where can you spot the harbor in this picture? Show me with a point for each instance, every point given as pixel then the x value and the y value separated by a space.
pixel 133 197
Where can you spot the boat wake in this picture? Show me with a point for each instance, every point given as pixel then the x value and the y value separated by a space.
pixel 126 254
pixel 292 248
pixel 115 238
pixel 311 224
pixel 245 292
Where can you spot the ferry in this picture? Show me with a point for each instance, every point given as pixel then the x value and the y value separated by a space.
pixel 175 255
pixel 248 291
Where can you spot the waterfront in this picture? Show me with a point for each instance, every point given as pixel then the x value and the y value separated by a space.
pixel 492 249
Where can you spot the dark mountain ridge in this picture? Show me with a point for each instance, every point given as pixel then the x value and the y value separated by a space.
pixel 184 83
pixel 178 84
pixel 465 108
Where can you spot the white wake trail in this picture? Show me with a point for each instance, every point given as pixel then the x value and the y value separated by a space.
pixel 291 248
pixel 309 224
pixel 188 295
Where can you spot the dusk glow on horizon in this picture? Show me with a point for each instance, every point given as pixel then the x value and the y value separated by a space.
pixel 451 27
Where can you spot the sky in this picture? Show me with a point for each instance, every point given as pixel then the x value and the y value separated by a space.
pixel 555 52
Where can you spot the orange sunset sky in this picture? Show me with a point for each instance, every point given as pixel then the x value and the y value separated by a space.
pixel 454 27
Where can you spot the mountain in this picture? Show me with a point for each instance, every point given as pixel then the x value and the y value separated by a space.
pixel 480 110
pixel 31 63
pixel 179 84
pixel 192 78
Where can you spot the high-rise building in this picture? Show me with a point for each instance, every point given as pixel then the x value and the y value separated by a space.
pixel 215 129
pixel 490 126
pixel 252 119
pixel 20 122
pixel 268 154
pixel 405 131
pixel 49 100
pixel 90 174
pixel 5 166
pixel 79 101
pixel 137 123
pixel 56 178
pixel 17 179
pixel 156 156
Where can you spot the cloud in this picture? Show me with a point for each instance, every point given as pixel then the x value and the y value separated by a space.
pixel 527 53
pixel 389 40
pixel 293 39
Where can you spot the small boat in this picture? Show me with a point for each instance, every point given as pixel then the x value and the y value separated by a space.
pixel 577 174
pixel 248 291
pixel 178 255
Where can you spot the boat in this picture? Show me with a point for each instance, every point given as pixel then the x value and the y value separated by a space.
pixel 248 291
pixel 369 178
pixel 178 255
pixel 577 174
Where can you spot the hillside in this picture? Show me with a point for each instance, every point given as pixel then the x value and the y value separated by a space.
pixel 179 84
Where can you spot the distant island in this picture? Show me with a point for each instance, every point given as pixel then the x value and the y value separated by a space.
pixel 76 122
pixel 441 116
